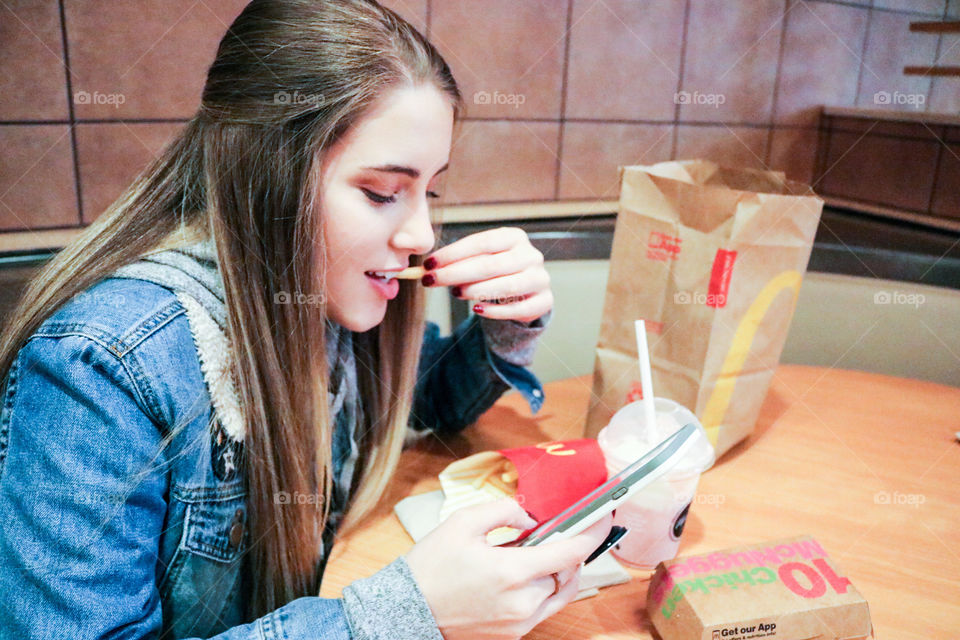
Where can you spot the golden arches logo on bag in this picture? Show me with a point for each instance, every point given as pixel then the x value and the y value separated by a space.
pixel 740 348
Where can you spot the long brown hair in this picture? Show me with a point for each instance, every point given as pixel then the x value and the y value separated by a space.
pixel 289 79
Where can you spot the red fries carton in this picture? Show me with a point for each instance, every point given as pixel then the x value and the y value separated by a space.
pixel 783 590
pixel 545 479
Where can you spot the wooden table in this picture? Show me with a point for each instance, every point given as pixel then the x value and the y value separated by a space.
pixel 868 464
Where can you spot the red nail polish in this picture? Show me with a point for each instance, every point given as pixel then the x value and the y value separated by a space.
pixel 428 279
pixel 478 308
pixel 456 291
pixel 429 263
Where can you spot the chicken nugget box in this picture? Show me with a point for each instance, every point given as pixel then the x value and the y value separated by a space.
pixel 785 589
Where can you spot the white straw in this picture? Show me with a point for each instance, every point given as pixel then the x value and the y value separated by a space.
pixel 646 379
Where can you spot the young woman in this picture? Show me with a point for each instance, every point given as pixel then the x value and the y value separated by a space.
pixel 216 378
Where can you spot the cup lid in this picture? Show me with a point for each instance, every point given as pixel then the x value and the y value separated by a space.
pixel 629 423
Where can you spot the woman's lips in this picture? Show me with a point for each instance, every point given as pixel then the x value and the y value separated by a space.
pixel 388 288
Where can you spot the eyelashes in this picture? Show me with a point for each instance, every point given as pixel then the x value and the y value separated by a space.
pixel 376 198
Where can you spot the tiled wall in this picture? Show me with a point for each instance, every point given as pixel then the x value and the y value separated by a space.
pixel 559 92
pixel 914 167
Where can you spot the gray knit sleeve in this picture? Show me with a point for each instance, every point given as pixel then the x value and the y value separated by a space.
pixel 512 340
pixel 389 606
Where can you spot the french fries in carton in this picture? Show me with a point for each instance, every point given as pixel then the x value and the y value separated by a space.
pixel 544 479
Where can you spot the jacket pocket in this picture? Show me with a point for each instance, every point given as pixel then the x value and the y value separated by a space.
pixel 216 529
pixel 200 592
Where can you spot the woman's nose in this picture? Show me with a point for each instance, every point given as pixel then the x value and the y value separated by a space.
pixel 416 233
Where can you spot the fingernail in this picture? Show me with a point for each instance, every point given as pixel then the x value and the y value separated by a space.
pixel 615 534
pixel 429 263
pixel 477 308
pixel 428 279
pixel 456 291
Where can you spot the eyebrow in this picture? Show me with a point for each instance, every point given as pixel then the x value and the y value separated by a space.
pixel 409 171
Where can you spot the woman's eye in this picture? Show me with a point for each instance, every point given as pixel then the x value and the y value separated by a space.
pixel 377 198
pixel 380 199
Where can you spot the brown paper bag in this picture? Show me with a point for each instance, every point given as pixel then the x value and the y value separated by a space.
pixel 712 259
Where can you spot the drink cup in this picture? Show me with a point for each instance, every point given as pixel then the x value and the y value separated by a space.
pixel 657 513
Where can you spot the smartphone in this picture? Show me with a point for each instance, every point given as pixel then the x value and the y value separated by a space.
pixel 615 491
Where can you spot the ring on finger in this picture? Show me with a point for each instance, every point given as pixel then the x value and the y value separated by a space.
pixel 509 298
pixel 556 584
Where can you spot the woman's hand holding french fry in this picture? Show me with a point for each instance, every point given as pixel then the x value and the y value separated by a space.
pixel 498 269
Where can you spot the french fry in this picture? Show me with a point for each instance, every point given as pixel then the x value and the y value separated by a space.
pixel 411 273
pixel 483 478
pixel 499 475
pixel 507 471
pixel 495 481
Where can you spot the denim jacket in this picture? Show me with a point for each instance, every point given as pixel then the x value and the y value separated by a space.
pixel 101 537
